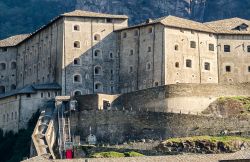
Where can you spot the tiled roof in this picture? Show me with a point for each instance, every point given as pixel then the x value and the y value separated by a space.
pixel 50 86
pixel 173 21
pixel 13 41
pixel 32 89
pixel 81 13
pixel 229 26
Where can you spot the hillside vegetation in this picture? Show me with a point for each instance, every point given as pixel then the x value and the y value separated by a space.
pixel 229 106
pixel 14 147
pixel 204 145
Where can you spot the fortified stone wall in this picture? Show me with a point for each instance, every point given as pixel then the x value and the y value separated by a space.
pixel 119 126
pixel 184 98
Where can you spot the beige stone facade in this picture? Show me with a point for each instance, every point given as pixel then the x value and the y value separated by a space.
pixel 88 53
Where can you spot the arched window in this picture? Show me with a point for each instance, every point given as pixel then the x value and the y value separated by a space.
pixel 77 61
pixel 97 37
pixel 124 35
pixel 77 93
pixel 2 89
pixel 13 87
pixel 97 53
pixel 76 44
pixel 98 70
pixel 136 33
pixel 176 47
pixel 111 55
pixel 77 78
pixel 76 27
pixel 148 66
pixel 131 52
pixel 2 66
pixel 13 65
pixel 150 30
pixel 177 65
pixel 98 86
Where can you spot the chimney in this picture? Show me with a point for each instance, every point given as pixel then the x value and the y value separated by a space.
pixel 149 21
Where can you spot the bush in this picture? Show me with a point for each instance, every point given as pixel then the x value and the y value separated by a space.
pixel 132 154
pixel 110 154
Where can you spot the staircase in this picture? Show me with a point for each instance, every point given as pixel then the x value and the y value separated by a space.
pixel 43 137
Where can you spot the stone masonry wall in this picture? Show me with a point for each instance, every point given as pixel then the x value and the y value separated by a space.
pixel 119 126
pixel 185 98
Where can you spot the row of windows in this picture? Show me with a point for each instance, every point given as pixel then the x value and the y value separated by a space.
pixel 77 44
pixel 148 68
pixel 228 68
pixel 136 32
pixel 189 64
pixel 227 48
pixel 193 45
pixel 8 117
pixel 3 66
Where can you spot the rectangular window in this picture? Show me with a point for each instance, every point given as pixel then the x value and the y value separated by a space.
pixel 227 48
pixel 131 69
pixel 211 47
pixel 149 49
pixel 248 68
pixel 108 20
pixel 189 63
pixel 228 68
pixel 192 44
pixel 5 49
pixel 248 48
pixel 207 66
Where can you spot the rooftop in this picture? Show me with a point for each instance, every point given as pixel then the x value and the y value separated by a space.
pixel 230 26
pixel 81 13
pixel 13 41
pixel 177 22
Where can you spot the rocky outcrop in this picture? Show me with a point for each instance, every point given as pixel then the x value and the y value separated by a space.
pixel 201 146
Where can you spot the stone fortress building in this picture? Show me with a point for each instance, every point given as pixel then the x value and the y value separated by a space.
pixel 83 52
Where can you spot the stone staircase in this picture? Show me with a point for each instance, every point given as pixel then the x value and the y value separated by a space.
pixel 44 135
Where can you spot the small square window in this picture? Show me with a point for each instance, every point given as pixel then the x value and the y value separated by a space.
pixel 207 66
pixel 108 20
pixel 131 52
pixel 150 30
pixel 149 49
pixel 192 44
pixel 124 35
pixel 211 47
pixel 248 48
pixel 189 63
pixel 131 69
pixel 227 48
pixel 28 95
pixel 228 68
pixel 4 49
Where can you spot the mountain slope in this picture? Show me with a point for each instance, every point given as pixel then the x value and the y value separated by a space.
pixel 19 16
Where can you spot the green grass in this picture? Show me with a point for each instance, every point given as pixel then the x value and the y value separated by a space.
pixel 242 99
pixel 113 154
pixel 132 154
pixel 110 154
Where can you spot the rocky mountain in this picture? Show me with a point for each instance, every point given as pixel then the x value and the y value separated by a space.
pixel 24 16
